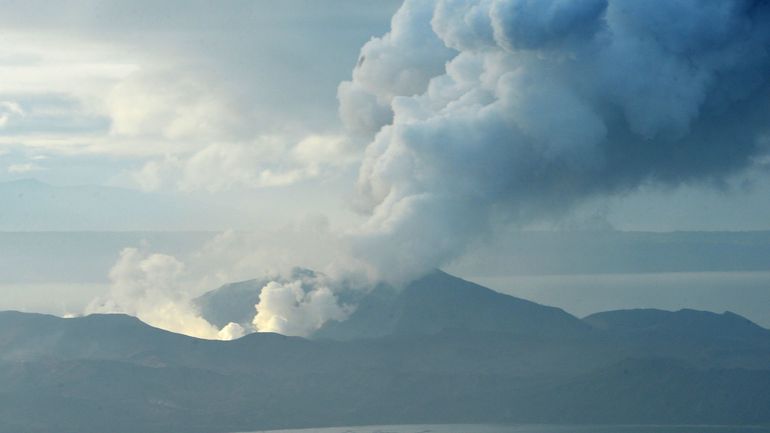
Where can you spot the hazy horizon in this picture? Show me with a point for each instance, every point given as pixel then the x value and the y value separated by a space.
pixel 377 141
pixel 61 272
pixel 304 213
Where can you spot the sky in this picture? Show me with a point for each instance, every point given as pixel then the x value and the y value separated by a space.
pixel 378 138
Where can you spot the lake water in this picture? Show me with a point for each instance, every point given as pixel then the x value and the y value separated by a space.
pixel 478 428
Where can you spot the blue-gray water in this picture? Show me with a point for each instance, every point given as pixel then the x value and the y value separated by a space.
pixel 478 428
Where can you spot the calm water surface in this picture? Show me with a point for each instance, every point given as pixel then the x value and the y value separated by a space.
pixel 456 428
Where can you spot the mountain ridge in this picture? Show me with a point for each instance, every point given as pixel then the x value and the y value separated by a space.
pixel 119 370
pixel 439 301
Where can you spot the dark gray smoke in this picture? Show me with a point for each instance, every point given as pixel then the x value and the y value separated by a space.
pixel 514 109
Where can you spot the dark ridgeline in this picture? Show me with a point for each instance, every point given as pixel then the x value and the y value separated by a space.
pixel 442 350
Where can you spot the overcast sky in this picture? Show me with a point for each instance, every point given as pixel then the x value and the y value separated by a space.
pixel 239 100
pixel 206 98
pixel 378 140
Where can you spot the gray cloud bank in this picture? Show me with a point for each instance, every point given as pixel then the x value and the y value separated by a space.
pixel 479 112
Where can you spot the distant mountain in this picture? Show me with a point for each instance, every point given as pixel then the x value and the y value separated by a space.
pixel 232 302
pixel 441 350
pixel 26 336
pixel 685 323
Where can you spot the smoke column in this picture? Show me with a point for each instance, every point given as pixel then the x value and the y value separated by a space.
pixel 477 112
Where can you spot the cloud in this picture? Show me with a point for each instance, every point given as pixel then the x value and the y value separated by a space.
pixel 9 110
pixel 310 242
pixel 150 287
pixel 400 63
pixel 516 110
pixel 297 307
pixel 167 92
pixel 231 331
pixel 527 25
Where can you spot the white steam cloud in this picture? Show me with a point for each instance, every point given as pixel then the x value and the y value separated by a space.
pixel 490 110
pixel 148 286
pixel 475 113
pixel 297 307
pixel 159 289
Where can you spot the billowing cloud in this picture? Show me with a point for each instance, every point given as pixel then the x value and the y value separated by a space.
pixel 159 288
pixel 400 63
pixel 499 110
pixel 231 331
pixel 297 307
pixel 216 140
pixel 149 286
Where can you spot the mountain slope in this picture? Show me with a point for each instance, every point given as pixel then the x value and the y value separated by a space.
pixel 440 302
pixel 441 350
pixel 232 302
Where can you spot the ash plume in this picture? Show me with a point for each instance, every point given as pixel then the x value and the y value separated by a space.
pixel 474 114
pixel 487 111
